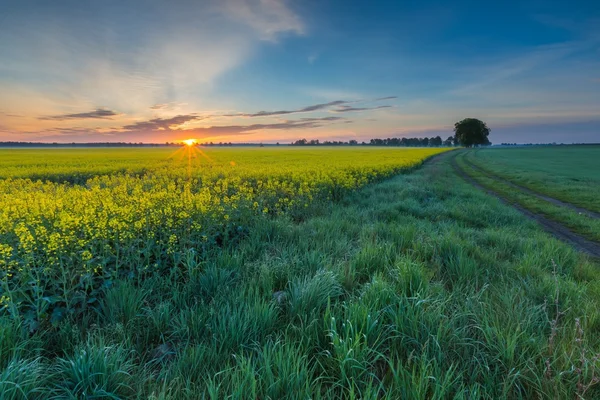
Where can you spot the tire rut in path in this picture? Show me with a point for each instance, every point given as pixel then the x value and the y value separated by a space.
pixel 533 193
pixel 554 228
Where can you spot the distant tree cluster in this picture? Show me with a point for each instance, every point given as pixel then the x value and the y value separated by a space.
pixel 413 142
pixel 400 142
pixel 220 144
pixel 547 144
pixel 316 142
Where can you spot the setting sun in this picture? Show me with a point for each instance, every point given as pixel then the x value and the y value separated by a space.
pixel 189 142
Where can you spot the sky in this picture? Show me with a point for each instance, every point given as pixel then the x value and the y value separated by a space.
pixel 277 71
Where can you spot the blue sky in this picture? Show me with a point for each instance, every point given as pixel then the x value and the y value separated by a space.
pixel 274 70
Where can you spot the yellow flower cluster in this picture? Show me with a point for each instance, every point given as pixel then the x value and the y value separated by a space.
pixel 139 209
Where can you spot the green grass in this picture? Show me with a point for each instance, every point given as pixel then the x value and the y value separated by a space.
pixel 417 287
pixel 578 223
pixel 567 173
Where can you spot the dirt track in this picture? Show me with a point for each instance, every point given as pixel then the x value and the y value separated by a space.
pixel 557 230
pixel 541 196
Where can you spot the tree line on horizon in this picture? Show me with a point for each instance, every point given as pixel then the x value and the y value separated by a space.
pixel 468 132
pixel 407 142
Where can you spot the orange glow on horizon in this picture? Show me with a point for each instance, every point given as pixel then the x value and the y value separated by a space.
pixel 189 142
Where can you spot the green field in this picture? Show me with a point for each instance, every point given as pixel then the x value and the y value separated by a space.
pixel 393 282
pixel 561 186
pixel 568 173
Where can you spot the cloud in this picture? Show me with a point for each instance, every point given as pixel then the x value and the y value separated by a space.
pixel 315 107
pixel 269 18
pixel 386 98
pixel 167 106
pixel 502 69
pixel 342 107
pixel 172 124
pixel 11 115
pixel 162 123
pixel 98 113
pixel 160 130
pixel 352 109
pixel 304 123
pixel 112 54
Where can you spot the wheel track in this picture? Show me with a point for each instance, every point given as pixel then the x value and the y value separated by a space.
pixel 554 228
pixel 533 193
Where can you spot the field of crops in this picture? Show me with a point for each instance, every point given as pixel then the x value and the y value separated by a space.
pixel 282 273
pixel 74 221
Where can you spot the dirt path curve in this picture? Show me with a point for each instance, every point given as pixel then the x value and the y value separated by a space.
pixel 554 228
pixel 540 196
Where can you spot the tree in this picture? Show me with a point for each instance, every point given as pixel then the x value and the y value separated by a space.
pixel 449 142
pixel 471 132
pixel 436 141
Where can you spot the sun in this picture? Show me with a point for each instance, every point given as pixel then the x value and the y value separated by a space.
pixel 189 142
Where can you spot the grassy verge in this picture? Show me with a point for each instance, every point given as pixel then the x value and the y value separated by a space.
pixel 417 287
pixel 578 223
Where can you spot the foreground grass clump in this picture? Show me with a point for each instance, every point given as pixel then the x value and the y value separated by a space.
pixel 416 287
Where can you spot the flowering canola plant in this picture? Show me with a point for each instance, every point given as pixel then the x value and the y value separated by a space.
pixel 73 221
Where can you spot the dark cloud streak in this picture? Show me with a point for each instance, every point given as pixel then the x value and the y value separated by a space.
pixel 303 123
pixel 315 107
pixel 99 113
pixel 352 109
pixel 162 123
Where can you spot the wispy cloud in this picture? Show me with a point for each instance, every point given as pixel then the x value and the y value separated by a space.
pixel 168 106
pixel 352 109
pixel 98 113
pixel 11 115
pixel 162 123
pixel 478 77
pixel 314 107
pixel 269 18
pixel 335 106
pixel 303 123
